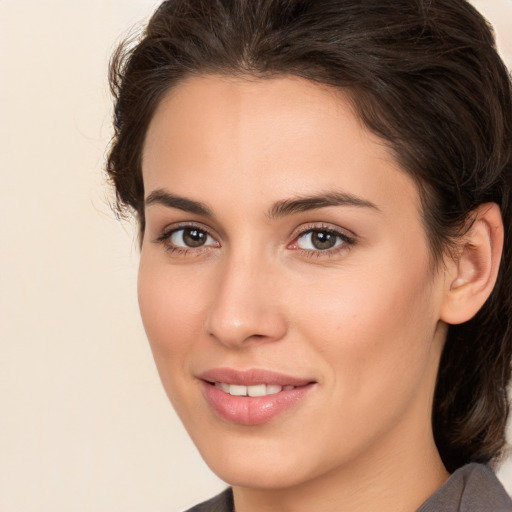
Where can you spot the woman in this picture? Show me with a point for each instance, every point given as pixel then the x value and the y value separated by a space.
pixel 323 194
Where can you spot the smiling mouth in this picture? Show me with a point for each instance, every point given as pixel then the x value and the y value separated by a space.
pixel 253 396
pixel 254 402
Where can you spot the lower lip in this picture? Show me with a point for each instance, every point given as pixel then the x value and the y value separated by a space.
pixel 246 410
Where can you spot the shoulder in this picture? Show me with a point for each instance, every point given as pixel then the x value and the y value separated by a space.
pixel 472 488
pixel 223 502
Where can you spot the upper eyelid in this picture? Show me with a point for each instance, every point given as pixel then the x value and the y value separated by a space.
pixel 169 229
pixel 322 226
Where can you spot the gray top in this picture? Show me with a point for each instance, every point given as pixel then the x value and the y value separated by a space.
pixel 472 488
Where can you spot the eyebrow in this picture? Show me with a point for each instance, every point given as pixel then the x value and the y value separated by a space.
pixel 305 203
pixel 279 209
pixel 164 198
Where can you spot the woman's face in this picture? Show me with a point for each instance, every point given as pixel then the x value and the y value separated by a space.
pixel 285 283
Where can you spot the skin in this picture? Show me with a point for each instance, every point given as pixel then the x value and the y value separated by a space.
pixel 363 319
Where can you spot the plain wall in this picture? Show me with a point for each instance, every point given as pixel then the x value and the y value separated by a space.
pixel 84 423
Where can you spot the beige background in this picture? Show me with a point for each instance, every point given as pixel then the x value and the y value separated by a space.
pixel 84 424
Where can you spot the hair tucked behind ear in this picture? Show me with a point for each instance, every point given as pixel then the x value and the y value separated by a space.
pixel 425 76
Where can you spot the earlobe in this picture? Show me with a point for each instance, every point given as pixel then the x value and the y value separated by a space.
pixel 471 274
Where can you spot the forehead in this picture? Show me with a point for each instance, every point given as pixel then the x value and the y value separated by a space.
pixel 280 137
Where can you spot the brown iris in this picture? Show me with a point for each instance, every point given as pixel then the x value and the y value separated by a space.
pixel 193 237
pixel 323 240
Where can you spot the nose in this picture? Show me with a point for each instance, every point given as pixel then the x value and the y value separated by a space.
pixel 246 307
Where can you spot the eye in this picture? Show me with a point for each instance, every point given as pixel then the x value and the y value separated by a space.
pixel 191 237
pixel 322 239
pixel 318 240
pixel 185 240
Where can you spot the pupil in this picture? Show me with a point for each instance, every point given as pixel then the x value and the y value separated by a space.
pixel 194 237
pixel 323 240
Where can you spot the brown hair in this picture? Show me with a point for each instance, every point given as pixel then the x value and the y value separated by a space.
pixel 425 76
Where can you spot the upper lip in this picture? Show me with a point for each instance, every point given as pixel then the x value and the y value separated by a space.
pixel 252 377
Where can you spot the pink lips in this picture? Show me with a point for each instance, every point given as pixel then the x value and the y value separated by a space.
pixel 252 410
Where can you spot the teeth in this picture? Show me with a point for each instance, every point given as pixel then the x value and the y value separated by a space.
pixel 257 390
pixel 236 390
pixel 272 389
pixel 260 390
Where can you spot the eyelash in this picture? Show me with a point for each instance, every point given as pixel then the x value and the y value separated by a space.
pixel 344 242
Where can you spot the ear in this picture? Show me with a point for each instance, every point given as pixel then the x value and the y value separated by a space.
pixel 471 273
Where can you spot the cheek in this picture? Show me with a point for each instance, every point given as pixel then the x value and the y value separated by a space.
pixel 375 325
pixel 171 306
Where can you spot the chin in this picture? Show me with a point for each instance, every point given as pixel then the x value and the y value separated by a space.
pixel 262 463
pixel 247 475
